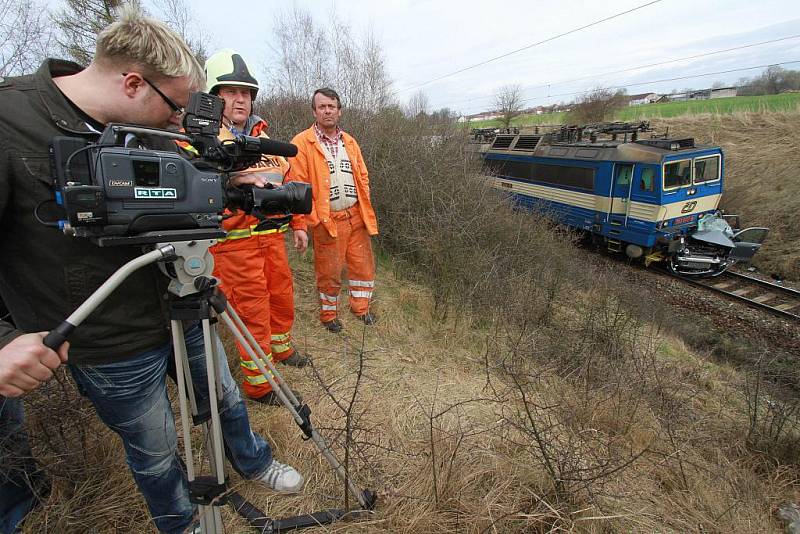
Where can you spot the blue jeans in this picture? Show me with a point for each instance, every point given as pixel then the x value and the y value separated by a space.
pixel 20 479
pixel 131 399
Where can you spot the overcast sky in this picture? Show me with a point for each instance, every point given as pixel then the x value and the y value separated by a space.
pixel 425 39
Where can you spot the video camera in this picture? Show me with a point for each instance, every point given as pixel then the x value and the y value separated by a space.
pixel 115 188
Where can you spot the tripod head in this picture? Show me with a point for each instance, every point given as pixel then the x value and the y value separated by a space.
pixel 189 265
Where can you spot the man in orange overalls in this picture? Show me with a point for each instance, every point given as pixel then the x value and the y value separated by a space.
pixel 251 260
pixel 342 219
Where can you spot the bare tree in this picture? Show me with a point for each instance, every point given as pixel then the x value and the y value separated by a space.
pixel 79 23
pixel 309 56
pixel 25 36
pixel 598 105
pixel 773 80
pixel 179 16
pixel 417 105
pixel 508 101
pixel 443 116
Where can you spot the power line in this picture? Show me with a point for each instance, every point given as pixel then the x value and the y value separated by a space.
pixel 595 23
pixel 668 79
pixel 696 56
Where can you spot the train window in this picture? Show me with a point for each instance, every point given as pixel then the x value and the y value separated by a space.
pixel 677 174
pixel 648 182
pixel 559 175
pixel 624 173
pixel 578 177
pixel 706 169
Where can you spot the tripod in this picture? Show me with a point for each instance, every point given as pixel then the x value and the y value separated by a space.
pixel 184 257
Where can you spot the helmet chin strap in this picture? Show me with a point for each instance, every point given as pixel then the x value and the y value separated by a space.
pixel 234 129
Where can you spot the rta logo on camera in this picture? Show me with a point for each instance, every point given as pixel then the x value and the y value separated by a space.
pixel 155 192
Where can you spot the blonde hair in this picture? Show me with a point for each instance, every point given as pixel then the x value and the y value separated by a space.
pixel 135 41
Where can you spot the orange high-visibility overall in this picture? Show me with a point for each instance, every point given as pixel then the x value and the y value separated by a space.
pixel 253 267
pixel 340 238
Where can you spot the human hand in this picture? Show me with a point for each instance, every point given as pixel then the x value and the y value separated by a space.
pixel 300 240
pixel 26 362
pixel 256 179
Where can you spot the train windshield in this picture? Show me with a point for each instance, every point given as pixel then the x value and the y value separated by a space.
pixel 677 174
pixel 706 169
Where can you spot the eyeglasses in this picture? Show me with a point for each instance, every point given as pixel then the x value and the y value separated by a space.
pixel 176 109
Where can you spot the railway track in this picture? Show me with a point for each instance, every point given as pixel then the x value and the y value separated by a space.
pixel 775 298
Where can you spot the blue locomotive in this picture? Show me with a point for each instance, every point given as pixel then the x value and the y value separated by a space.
pixel 655 199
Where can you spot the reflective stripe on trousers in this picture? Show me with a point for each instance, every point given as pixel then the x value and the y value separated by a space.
pixel 351 248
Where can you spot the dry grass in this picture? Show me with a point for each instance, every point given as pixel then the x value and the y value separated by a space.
pixel 762 153
pixel 439 437
pixel 512 389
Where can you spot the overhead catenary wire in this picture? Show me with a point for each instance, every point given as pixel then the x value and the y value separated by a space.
pixel 669 79
pixel 527 47
pixel 533 99
pixel 629 69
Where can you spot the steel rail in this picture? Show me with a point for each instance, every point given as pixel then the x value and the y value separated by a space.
pixel 772 285
pixel 713 283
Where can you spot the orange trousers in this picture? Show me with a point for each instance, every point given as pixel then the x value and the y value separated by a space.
pixel 281 295
pixel 351 248
pixel 257 282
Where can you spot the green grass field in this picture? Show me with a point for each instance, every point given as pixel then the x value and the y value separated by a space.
pixel 719 106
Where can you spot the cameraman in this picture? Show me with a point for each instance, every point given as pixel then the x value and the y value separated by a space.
pixel 251 260
pixel 142 73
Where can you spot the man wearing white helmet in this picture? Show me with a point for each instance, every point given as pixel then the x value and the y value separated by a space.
pixel 251 260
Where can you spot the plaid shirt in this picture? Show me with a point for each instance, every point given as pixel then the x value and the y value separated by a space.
pixel 331 143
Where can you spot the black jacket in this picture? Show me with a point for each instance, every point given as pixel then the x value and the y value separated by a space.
pixel 45 275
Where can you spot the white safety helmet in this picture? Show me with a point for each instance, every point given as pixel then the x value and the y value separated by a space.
pixel 227 67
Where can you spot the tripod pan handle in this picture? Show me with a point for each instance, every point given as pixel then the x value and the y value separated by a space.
pixel 56 337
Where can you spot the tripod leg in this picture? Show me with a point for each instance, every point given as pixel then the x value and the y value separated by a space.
pixel 213 522
pixel 210 516
pixel 181 370
pixel 214 394
pixel 300 413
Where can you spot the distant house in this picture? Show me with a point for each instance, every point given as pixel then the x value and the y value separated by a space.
pixel 723 92
pixel 485 116
pixel 644 98
pixel 704 94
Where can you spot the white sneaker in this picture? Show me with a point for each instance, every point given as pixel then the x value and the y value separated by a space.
pixel 282 478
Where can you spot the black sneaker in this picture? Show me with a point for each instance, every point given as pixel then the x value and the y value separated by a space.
pixel 272 399
pixel 368 318
pixel 333 326
pixel 296 360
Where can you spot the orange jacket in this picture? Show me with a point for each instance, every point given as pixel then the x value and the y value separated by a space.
pixel 310 166
pixel 273 167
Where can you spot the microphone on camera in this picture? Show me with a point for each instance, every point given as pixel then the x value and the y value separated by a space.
pixel 277 148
